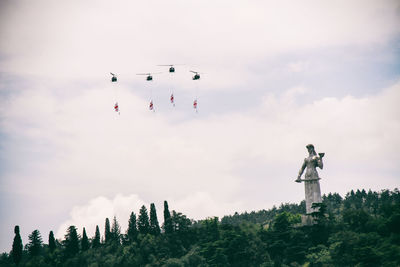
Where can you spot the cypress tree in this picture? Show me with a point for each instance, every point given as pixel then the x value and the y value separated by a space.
pixel 52 242
pixel 107 231
pixel 154 226
pixel 35 243
pixel 167 219
pixel 17 246
pixel 132 229
pixel 96 240
pixel 143 221
pixel 71 242
pixel 84 241
pixel 116 231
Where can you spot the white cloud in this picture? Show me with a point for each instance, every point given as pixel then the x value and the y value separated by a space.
pixel 74 39
pixel 199 205
pixel 365 126
pixel 298 66
pixel 96 210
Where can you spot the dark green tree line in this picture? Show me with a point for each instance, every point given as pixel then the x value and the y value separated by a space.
pixel 360 229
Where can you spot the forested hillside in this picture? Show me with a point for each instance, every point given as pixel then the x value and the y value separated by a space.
pixel 361 229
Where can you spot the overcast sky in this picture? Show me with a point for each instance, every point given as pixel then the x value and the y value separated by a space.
pixel 276 76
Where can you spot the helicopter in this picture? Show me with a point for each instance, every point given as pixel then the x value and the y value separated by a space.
pixel 171 67
pixel 114 77
pixel 196 75
pixel 149 77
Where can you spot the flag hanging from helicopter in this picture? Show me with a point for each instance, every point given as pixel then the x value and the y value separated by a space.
pixel 195 104
pixel 116 108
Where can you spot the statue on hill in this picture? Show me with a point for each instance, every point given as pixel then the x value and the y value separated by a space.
pixel 311 179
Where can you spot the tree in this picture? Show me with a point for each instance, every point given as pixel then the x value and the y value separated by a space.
pixel 115 231
pixel 279 236
pixel 52 242
pixel 154 226
pixel 35 243
pixel 84 241
pixel 132 228
pixel 107 231
pixel 356 219
pixel 167 219
pixel 143 221
pixel 96 239
pixel 17 246
pixel 180 223
pixel 71 242
pixel 180 239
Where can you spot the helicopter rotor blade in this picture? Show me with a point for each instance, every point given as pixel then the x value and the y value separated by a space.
pixel 171 65
pixel 149 73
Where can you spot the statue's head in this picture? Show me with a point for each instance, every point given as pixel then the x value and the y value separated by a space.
pixel 310 148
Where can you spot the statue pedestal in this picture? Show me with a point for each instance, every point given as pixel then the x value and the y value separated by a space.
pixel 307 220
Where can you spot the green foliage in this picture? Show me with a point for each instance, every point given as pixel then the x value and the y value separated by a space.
pixel 84 241
pixel 211 229
pixel 143 221
pixel 167 219
pixel 16 251
pixel 154 226
pixel 107 231
pixel 358 230
pixel 71 242
pixel 6 260
pixel 320 230
pixel 132 232
pixel 96 239
pixel 264 217
pixel 181 237
pixel 52 242
pixel 115 234
pixel 283 240
pixel 35 243
pixel 319 256
pixel 173 262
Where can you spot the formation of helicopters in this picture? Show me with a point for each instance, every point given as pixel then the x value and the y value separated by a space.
pixel 149 77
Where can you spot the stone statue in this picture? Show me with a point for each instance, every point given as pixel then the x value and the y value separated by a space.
pixel 311 180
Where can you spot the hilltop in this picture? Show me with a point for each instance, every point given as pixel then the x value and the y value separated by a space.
pixel 361 228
